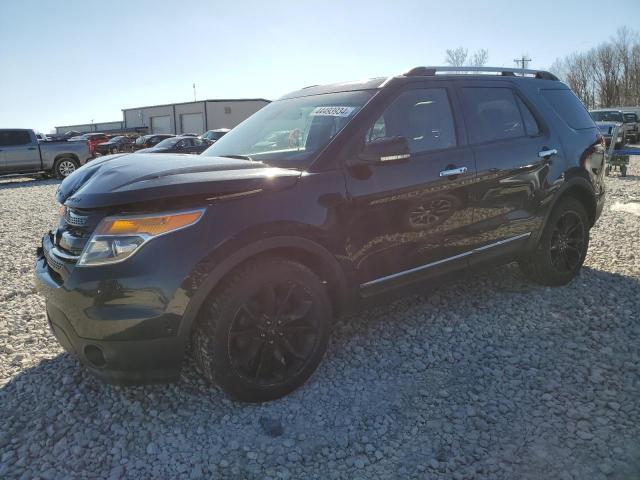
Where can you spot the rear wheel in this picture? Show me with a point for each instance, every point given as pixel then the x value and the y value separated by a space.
pixel 562 247
pixel 623 170
pixel 264 332
pixel 64 167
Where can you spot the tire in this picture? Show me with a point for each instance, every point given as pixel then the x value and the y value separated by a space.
pixel 264 331
pixel 562 247
pixel 623 170
pixel 63 167
pixel 607 170
pixel 114 150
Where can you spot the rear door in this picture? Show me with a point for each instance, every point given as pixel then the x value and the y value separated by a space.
pixel 509 142
pixel 407 220
pixel 20 152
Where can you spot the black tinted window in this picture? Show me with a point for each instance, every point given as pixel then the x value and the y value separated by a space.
pixel 422 116
pixel 569 107
pixel 493 114
pixel 530 123
pixel 14 137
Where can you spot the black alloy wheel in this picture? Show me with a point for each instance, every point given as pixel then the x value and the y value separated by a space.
pixel 264 330
pixel 562 246
pixel 273 335
pixel 567 242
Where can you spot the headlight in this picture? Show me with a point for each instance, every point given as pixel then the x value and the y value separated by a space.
pixel 117 238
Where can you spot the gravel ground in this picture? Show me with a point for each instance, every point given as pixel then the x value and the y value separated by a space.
pixel 487 377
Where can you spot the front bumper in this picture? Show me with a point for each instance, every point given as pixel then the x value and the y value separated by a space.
pixel 120 341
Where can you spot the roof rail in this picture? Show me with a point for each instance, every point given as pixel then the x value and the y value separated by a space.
pixel 507 72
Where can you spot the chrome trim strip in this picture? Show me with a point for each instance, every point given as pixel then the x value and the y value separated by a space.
pixel 444 260
pixel 502 242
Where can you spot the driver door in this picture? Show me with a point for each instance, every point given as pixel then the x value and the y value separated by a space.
pixel 408 219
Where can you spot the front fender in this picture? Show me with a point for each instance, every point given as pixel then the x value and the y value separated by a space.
pixel 212 278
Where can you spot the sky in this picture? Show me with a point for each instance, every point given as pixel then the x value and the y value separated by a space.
pixel 65 62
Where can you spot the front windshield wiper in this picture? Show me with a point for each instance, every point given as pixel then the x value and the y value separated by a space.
pixel 240 157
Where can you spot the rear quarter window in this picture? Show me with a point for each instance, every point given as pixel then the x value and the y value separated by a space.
pixel 569 108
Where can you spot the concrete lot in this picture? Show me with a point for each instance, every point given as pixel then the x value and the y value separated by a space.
pixel 486 377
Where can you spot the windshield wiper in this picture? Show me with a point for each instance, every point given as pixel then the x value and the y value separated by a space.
pixel 240 157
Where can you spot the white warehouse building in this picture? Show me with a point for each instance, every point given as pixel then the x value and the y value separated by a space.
pixel 177 118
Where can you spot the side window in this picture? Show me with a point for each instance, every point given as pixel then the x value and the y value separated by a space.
pixel 422 116
pixel 493 112
pixel 14 138
pixel 530 123
pixel 569 108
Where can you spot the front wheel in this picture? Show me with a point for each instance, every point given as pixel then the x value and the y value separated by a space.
pixel 265 331
pixel 562 248
pixel 64 167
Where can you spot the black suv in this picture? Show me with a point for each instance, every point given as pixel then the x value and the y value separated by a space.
pixel 325 198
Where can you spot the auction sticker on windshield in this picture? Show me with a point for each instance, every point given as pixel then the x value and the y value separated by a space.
pixel 332 111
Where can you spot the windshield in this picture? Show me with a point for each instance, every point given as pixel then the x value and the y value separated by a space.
pixel 608 116
pixel 168 142
pixel 290 132
pixel 115 139
pixel 211 135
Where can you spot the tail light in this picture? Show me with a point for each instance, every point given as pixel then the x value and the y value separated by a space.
pixel 601 141
pixel 91 146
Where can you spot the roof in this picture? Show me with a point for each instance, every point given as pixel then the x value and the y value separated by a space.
pixel 368 84
pixel 223 100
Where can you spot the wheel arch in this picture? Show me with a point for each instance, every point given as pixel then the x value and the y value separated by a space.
pixel 66 155
pixel 307 252
pixel 579 188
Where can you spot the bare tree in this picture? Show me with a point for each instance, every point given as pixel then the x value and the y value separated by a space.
pixel 460 57
pixel 480 57
pixel 605 76
pixel 457 57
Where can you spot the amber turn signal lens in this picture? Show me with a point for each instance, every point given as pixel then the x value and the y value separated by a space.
pixel 147 225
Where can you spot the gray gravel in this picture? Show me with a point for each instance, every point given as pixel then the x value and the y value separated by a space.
pixel 487 377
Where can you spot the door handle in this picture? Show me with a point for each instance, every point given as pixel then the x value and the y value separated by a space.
pixel 546 153
pixel 453 171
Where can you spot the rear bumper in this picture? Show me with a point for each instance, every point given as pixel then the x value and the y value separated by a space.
pixel 105 354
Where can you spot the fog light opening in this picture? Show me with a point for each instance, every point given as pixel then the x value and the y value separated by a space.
pixel 94 356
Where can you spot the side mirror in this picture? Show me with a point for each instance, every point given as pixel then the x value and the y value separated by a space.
pixel 385 150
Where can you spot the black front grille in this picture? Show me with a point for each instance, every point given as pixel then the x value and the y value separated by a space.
pixel 75 230
pixel 75 219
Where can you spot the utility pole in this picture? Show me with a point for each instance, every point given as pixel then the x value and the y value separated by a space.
pixel 194 92
pixel 522 61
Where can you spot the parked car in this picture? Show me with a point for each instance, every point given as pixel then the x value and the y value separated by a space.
pixel 606 120
pixel 188 134
pixel 92 138
pixel 118 144
pixel 64 136
pixel 214 135
pixel 21 152
pixel 178 145
pixel 148 141
pixel 632 126
pixel 247 253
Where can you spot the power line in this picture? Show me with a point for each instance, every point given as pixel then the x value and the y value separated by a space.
pixel 522 61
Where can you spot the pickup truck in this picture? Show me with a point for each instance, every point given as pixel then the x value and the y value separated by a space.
pixel 632 124
pixel 21 152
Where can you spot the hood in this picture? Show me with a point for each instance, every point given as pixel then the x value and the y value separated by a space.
pixel 134 178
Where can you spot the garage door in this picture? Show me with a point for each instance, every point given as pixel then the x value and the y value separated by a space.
pixel 192 123
pixel 161 124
